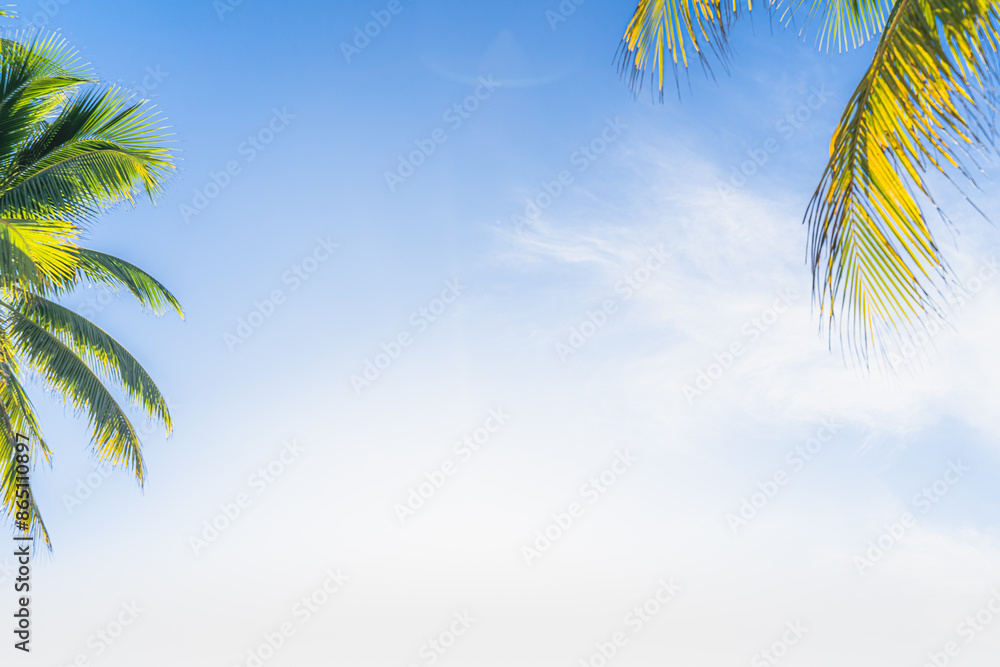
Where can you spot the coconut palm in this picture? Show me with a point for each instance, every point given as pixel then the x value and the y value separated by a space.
pixel 69 150
pixel 924 106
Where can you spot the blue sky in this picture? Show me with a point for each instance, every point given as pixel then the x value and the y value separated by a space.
pixel 644 205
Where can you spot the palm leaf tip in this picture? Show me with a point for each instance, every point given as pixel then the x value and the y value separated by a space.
pixel 117 273
pixel 847 23
pixel 674 32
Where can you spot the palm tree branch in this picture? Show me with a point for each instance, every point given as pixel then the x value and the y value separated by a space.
pixel 109 270
pixel 114 437
pixel 923 104
pixel 80 179
pixel 99 350
pixel 34 81
pixel 99 150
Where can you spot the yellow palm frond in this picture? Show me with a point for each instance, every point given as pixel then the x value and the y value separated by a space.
pixel 922 105
pixel 674 31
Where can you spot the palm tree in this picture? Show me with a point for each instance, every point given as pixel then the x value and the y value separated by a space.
pixel 926 104
pixel 69 150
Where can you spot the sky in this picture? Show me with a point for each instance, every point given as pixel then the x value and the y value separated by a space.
pixel 486 360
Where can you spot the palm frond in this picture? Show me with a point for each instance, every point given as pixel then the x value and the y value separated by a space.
pixel 100 150
pixel 924 104
pixel 17 418
pixel 42 56
pixel 848 24
pixel 69 150
pixel 106 269
pixel 114 437
pixel 35 79
pixel 99 350
pixel 20 413
pixel 674 32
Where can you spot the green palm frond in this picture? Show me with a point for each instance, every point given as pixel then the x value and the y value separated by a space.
pixel 43 55
pixel 102 268
pixel 674 32
pixel 99 350
pixel 16 404
pixel 100 150
pixel 925 103
pixel 35 79
pixel 114 437
pixel 69 150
